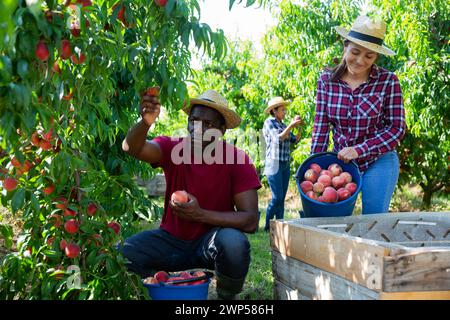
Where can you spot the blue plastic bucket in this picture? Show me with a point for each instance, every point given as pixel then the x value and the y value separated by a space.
pixel 313 208
pixel 178 292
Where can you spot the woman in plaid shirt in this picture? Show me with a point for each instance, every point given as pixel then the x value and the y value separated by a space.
pixel 363 105
pixel 278 137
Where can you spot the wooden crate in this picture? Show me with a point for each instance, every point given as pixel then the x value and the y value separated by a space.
pixel 383 256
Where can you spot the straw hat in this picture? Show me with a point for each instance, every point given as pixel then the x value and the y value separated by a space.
pixel 367 33
pixel 215 101
pixel 276 102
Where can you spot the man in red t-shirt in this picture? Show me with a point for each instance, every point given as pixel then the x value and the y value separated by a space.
pixel 221 183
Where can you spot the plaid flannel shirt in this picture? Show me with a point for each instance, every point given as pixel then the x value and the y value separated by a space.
pixel 370 118
pixel 275 148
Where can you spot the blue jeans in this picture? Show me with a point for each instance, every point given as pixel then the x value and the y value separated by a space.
pixel 225 250
pixel 278 182
pixel 378 183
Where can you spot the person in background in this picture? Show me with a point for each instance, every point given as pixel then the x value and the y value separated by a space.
pixel 279 138
pixel 362 104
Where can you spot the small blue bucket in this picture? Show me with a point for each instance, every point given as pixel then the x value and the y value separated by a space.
pixel 313 208
pixel 178 292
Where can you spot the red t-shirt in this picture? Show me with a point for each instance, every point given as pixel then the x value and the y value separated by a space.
pixel 214 185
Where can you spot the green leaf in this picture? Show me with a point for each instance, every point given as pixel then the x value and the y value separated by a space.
pixel 231 4
pixel 7 235
pixel 22 68
pixel 53 254
pixel 18 199
pixel 5 69
pixel 169 7
pixel 35 203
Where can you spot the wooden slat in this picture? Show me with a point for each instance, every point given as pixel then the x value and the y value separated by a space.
pixel 415 295
pixel 392 227
pixel 283 292
pixel 355 259
pixel 427 244
pixel 418 269
pixel 315 283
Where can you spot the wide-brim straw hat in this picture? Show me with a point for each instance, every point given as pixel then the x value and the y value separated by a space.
pixel 215 101
pixel 367 33
pixel 275 103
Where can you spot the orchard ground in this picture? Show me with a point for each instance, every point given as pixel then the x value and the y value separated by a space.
pixel 259 284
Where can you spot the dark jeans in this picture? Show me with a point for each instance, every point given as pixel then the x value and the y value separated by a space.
pixel 225 250
pixel 278 182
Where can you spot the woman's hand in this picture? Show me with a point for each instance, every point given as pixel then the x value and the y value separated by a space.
pixel 347 154
pixel 297 121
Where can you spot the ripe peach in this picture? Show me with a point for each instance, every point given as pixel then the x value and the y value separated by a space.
pixel 45 145
pixel 338 182
pixel 71 226
pixel 56 68
pixel 91 209
pixel 63 244
pixel 180 196
pixel 311 175
pixel 48 135
pixel 352 187
pixel 311 195
pixel 326 172
pixel 318 187
pixel 151 280
pixel 35 139
pixel 325 180
pixel 115 226
pixel 330 195
pixel 27 166
pixel 347 177
pixel 72 250
pixel 185 275
pixel 49 190
pixel 320 199
pixel 42 51
pixel 315 167
pixel 66 50
pixel 10 184
pixel 306 186
pixel 161 276
pixel 77 60
pixel 153 91
pixel 161 3
pixel 335 169
pixel 61 203
pixel 343 194
pixel 198 274
pixel 15 162
pixel 70 213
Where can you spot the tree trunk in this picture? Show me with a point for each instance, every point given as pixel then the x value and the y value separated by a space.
pixel 426 199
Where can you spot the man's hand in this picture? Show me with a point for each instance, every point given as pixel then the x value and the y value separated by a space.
pixel 150 108
pixel 187 210
pixel 347 154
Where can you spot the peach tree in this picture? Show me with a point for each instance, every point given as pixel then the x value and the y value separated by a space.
pixel 71 76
